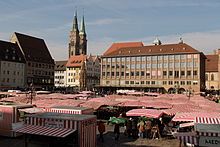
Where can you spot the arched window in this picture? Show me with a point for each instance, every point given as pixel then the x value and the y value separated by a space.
pixel 212 77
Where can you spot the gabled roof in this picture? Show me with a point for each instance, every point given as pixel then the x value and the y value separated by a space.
pixel 10 52
pixel 34 49
pixel 211 63
pixel 153 50
pixel 116 46
pixel 60 65
pixel 76 61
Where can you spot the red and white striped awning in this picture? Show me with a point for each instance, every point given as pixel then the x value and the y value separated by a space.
pixel 187 138
pixel 207 120
pixel 152 113
pixel 46 131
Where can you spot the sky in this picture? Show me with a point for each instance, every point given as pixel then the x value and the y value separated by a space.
pixel 111 21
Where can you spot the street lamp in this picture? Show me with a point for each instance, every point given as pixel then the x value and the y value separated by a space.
pixel 189 92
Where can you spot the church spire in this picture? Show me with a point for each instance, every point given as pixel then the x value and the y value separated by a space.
pixel 82 28
pixel 75 23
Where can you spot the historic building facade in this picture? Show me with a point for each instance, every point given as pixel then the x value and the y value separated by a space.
pixel 83 72
pixel 60 74
pixel 39 70
pixel 12 66
pixel 212 72
pixel 158 67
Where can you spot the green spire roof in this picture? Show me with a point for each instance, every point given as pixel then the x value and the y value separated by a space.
pixel 157 42
pixel 75 22
pixel 82 28
pixel 181 40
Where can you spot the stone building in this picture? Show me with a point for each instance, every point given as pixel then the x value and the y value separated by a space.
pixel 82 72
pixel 12 66
pixel 212 72
pixel 159 67
pixel 39 70
pixel 60 74
pixel 78 41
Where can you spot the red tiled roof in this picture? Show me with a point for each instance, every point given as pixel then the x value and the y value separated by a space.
pixel 76 61
pixel 116 46
pixel 60 65
pixel 152 50
pixel 211 63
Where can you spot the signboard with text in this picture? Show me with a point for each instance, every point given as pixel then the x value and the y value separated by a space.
pixel 209 141
pixel 54 124
pixel 209 128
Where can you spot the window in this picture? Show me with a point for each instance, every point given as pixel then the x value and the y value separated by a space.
pixel 195 64
pixel 127 74
pixel 164 82
pixel 176 57
pixel 153 82
pixel 170 73
pixel 212 77
pixel 153 65
pixel 195 82
pixel 170 82
pixel 122 66
pixel 132 66
pixel 182 56
pixel 165 57
pixel 132 73
pixel 132 58
pixel 176 73
pixel 188 73
pixel 138 66
pixel 108 73
pixel 171 57
pixel 142 65
pixel 108 59
pixel 117 59
pixel 148 73
pixel 142 82
pixel 170 65
pixel 113 65
pixel 159 65
pixel 138 59
pixel 148 82
pixel 182 82
pixel 143 58
pixel 159 57
pixel 195 73
pixel 122 59
pixel 137 73
pixel 164 65
pixel 148 65
pixel 195 56
pixel 148 57
pixel 188 64
pixel 164 73
pixel 113 59
pixel 189 56
pixel 122 73
pixel 142 73
pixel 182 73
pixel 113 73
pixel 126 82
pixel 154 57
pixel 127 59
pixel 176 65
pixel 127 66
pixel 131 82
pixel 182 64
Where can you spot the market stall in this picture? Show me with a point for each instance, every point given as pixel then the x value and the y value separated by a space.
pixel 61 129
pixel 10 117
pixel 70 110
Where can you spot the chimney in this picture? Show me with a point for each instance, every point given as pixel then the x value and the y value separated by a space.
pixel 215 52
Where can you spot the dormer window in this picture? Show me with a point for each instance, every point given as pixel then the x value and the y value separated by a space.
pixel 139 51
pixel 161 49
pixel 149 50
pixel 119 52
pixel 172 49
pixel 184 48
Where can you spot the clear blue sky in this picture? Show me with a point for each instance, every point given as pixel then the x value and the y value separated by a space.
pixel 109 21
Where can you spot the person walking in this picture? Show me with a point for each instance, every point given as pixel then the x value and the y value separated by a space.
pixel 101 129
pixel 141 129
pixel 134 129
pixel 117 131
pixel 148 128
pixel 129 127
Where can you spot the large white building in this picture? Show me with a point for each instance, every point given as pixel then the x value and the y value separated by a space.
pixel 12 66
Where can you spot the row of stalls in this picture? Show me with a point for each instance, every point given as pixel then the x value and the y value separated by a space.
pixel 206 132
pixel 55 126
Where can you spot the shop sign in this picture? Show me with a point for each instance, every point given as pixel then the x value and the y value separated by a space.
pixel 209 141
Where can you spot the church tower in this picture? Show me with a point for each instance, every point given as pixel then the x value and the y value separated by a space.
pixel 78 41
pixel 83 40
pixel 74 38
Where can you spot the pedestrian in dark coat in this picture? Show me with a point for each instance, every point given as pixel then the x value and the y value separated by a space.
pixel 117 131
